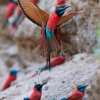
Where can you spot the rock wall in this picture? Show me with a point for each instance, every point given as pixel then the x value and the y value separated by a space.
pixel 61 79
pixel 81 69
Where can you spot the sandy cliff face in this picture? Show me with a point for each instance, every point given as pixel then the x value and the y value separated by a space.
pixel 61 79
pixel 81 69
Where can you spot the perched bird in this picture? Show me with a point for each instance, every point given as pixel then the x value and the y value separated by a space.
pixel 36 92
pixel 54 62
pixel 10 78
pixel 77 94
pixel 11 6
pixel 16 18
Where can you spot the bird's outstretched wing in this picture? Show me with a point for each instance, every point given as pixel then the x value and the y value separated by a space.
pixel 38 16
pixel 33 12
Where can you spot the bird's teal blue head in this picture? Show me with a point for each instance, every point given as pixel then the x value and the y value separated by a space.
pixel 82 87
pixel 64 98
pixel 13 72
pixel 26 98
pixel 39 87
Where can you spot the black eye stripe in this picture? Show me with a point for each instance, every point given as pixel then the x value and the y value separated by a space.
pixel 60 10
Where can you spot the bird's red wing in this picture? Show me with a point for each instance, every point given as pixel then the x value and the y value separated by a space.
pixel 33 12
